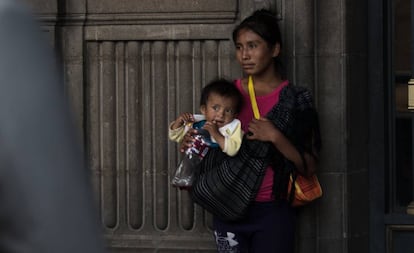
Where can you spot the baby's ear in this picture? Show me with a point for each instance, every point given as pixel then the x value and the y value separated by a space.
pixel 203 109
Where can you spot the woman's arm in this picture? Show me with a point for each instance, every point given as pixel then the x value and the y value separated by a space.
pixel 264 130
pixel 291 153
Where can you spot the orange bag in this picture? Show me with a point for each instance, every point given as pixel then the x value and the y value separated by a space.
pixel 306 190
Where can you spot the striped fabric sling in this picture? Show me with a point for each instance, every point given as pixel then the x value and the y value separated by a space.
pixel 224 185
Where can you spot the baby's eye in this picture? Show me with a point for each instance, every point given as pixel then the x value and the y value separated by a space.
pixel 229 111
pixel 216 108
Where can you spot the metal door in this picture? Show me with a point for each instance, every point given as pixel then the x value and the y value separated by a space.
pixel 399 208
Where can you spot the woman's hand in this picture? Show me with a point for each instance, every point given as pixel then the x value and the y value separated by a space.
pixel 188 140
pixel 262 130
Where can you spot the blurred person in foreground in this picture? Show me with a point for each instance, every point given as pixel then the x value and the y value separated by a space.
pixel 46 202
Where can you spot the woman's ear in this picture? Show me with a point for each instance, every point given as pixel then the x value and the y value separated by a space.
pixel 276 50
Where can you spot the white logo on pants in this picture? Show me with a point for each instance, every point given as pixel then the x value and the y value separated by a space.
pixel 226 244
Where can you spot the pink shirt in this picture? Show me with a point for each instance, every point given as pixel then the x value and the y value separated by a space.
pixel 265 104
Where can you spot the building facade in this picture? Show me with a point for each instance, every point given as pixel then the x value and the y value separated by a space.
pixel 131 66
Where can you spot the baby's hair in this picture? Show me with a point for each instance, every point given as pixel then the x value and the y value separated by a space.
pixel 224 88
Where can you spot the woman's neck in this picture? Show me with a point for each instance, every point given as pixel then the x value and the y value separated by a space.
pixel 264 84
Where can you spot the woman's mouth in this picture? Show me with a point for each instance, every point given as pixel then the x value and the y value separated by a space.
pixel 248 66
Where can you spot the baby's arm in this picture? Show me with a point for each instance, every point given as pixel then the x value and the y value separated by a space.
pixel 228 137
pixel 215 134
pixel 233 138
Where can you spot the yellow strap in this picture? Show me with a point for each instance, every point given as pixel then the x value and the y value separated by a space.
pixel 256 112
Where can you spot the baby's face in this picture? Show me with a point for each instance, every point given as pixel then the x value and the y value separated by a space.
pixel 219 110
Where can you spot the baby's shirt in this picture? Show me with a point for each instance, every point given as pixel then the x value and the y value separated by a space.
pixel 232 134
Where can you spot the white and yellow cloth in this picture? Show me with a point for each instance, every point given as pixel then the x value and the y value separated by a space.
pixel 232 133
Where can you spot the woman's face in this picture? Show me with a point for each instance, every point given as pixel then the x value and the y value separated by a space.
pixel 254 54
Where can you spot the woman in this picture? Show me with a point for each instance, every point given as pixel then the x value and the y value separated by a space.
pixel 288 126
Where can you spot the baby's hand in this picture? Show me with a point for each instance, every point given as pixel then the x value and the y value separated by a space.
pixel 212 129
pixel 186 118
pixel 214 132
pixel 183 119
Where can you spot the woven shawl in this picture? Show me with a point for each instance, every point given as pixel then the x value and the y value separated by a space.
pixel 226 185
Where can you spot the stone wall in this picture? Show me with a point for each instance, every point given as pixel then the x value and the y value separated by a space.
pixel 131 66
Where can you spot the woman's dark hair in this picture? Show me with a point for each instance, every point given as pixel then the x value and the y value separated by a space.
pixel 224 88
pixel 265 24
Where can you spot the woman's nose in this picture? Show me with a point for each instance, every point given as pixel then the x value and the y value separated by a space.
pixel 245 54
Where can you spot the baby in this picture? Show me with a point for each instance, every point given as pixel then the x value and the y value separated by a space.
pixel 220 103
